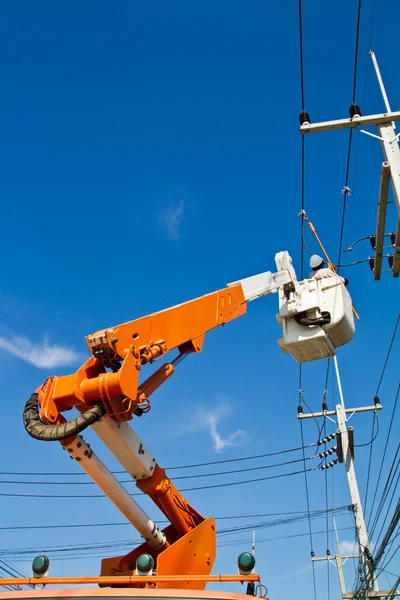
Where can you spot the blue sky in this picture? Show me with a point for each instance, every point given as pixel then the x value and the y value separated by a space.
pixel 150 154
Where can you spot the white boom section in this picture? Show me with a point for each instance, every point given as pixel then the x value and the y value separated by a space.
pixel 105 480
pixel 269 283
pixel 127 447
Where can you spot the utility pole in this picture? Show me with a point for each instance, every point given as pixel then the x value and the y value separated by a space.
pixel 389 139
pixel 340 560
pixel 345 453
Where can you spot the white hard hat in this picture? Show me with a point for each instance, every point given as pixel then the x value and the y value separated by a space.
pixel 315 261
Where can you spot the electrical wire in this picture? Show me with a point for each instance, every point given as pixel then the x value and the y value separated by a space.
pixel 291 516
pixel 190 466
pixel 388 354
pixel 384 453
pixel 346 184
pixel 191 489
pixel 378 387
pixel 124 481
pixel 371 441
pixel 388 484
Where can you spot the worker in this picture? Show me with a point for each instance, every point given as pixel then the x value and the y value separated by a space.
pixel 320 270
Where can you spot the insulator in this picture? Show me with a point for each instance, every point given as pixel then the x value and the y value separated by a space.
pixel 304 118
pixel 324 406
pixel 299 409
pixel 392 238
pixel 372 241
pixel 371 262
pixel 312 553
pixel 332 436
pixel 376 400
pixel 328 552
pixel 390 260
pixel 355 111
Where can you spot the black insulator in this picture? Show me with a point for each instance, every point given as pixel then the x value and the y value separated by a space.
pixel 355 111
pixel 390 260
pixel 376 400
pixel 304 118
pixel 372 241
pixel 324 406
pixel 299 409
pixel 392 238
pixel 332 436
pixel 312 553
pixel 328 552
pixel 371 262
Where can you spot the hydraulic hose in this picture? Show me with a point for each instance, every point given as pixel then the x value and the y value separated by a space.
pixel 48 432
pixel 324 319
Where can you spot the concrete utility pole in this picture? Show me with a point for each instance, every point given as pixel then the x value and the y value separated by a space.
pixel 389 139
pixel 345 453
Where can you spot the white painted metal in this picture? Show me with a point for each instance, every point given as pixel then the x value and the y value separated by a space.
pixel 330 413
pixel 339 382
pixel 381 220
pixel 262 285
pixel 361 529
pixel 391 151
pixel 267 283
pixel 349 123
pixel 381 84
pixel 126 446
pixel 308 343
pixel 374 594
pixel 105 480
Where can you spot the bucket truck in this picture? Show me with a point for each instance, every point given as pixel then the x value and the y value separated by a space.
pixel 316 318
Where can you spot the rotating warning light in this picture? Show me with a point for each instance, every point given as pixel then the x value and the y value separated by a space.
pixel 40 565
pixel 144 564
pixel 246 563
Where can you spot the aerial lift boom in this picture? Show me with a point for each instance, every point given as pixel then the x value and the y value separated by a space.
pixel 107 393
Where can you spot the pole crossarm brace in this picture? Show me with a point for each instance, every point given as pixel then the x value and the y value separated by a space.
pixel 381 220
pixel 334 557
pixel 349 123
pixel 373 594
pixel 329 413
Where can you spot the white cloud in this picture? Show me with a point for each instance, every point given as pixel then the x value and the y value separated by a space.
pixel 43 354
pixel 207 418
pixel 347 547
pixel 172 218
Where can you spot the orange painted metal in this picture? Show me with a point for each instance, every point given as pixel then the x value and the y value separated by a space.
pixel 125 349
pixel 134 344
pixel 170 501
pixel 127 580
pixel 192 554
pixel 109 593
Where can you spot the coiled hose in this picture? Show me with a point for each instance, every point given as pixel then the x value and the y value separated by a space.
pixel 48 432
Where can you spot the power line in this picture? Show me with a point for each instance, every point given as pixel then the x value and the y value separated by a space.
pixel 346 184
pixel 373 422
pixel 383 455
pixel 219 473
pixel 289 516
pixel 388 354
pixel 204 487
pixel 190 466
